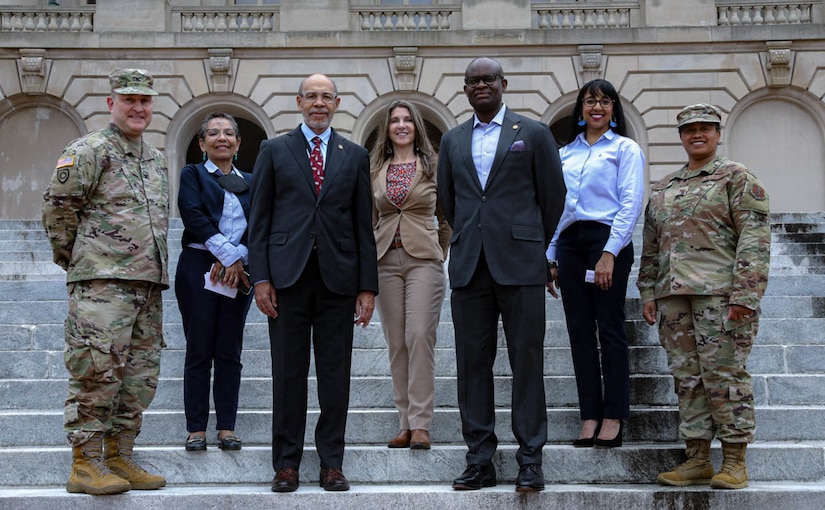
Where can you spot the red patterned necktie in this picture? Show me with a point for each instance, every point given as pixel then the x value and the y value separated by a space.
pixel 317 163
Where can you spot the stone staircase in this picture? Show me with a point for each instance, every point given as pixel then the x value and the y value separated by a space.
pixel 786 464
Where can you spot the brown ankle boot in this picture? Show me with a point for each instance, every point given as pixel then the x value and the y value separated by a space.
pixel 696 470
pixel 120 460
pixel 90 474
pixel 734 472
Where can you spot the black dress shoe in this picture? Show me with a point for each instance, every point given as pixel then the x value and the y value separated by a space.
pixel 610 443
pixel 230 442
pixel 332 479
pixel 475 477
pixel 530 478
pixel 196 444
pixel 286 480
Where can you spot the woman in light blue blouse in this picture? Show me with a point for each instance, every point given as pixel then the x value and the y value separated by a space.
pixel 591 254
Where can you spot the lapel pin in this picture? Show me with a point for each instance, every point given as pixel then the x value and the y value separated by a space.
pixel 340 147
pixel 515 126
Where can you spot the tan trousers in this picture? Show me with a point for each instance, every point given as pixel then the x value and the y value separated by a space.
pixel 410 293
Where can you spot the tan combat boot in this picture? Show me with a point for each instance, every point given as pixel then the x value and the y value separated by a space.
pixel 734 472
pixel 120 461
pixel 90 474
pixel 696 470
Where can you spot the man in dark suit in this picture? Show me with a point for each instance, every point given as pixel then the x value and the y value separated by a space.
pixel 313 262
pixel 501 187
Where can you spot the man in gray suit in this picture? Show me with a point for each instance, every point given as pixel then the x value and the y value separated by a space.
pixel 501 187
pixel 313 262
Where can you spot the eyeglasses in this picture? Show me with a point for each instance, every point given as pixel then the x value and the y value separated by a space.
pixel 228 133
pixel 590 102
pixel 313 96
pixel 489 79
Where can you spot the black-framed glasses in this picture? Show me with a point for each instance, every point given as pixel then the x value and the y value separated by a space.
pixel 590 102
pixel 489 79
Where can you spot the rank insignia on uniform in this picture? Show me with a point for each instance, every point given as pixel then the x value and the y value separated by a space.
pixel 758 192
pixel 65 161
pixel 62 175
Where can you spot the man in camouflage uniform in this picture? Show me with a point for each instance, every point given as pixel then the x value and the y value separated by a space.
pixel 705 267
pixel 106 216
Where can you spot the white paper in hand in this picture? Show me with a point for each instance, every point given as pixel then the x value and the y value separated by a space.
pixel 219 288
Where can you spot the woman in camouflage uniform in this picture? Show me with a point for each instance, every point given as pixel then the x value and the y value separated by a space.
pixel 704 269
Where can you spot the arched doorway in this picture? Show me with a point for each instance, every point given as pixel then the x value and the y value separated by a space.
pixel 32 131
pixel 251 137
pixel 779 136
pixel 182 133
pixel 437 118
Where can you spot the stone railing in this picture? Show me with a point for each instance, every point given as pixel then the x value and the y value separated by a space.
pixel 737 13
pixel 600 14
pixel 223 19
pixel 47 19
pixel 401 18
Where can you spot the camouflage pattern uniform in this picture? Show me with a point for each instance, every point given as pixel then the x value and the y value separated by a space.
pixel 106 216
pixel 707 246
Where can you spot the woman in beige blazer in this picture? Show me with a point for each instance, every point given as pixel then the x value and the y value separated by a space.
pixel 411 236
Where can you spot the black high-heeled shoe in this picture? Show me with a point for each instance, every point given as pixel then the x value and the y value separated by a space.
pixel 610 443
pixel 588 442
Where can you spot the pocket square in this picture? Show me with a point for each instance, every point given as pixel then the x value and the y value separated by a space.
pixel 518 146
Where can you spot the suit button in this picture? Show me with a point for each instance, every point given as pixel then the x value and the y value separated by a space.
pixel 312 234
pixel 483 199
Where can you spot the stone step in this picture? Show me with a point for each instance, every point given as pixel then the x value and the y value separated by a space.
pixel 788 334
pixel 760 495
pixel 31 428
pixel 373 362
pixel 634 463
pixel 46 303
pixel 369 392
pixel 782 333
pixel 376 392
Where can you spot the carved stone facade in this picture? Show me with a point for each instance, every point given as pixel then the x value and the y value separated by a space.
pixel 764 66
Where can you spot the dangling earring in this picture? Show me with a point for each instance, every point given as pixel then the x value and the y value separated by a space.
pixel 613 122
pixel 581 122
pixel 236 156
pixel 389 148
pixel 204 156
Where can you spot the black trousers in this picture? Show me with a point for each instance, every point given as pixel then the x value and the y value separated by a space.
pixel 476 309
pixel 310 315
pixel 213 326
pixel 593 314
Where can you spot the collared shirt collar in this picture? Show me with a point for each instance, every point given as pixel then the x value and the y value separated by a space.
pixel 498 119
pixel 212 168
pixel 609 135
pixel 310 134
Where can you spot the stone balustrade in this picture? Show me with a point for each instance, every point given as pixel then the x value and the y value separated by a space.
pixel 432 17
pixel 761 13
pixel 228 19
pixel 46 19
pixel 551 16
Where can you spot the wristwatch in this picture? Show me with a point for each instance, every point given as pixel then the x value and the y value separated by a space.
pixel 552 264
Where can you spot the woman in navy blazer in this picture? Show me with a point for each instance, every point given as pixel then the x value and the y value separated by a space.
pixel 214 205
